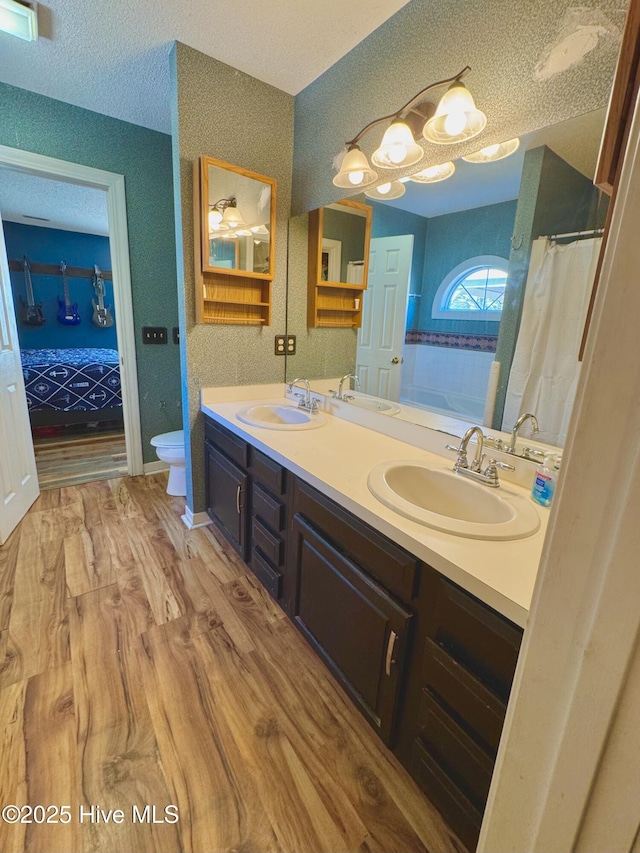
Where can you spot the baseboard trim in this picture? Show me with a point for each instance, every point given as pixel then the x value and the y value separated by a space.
pixel 154 467
pixel 192 520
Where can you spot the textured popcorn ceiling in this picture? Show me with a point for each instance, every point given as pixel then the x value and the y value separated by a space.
pixel 70 207
pixel 111 56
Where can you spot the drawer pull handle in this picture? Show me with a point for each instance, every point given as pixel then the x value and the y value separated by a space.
pixel 238 492
pixel 390 647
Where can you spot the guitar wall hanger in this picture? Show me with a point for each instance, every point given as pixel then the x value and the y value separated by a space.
pixel 54 269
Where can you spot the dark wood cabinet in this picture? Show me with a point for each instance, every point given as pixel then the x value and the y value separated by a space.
pixel 269 482
pixel 353 623
pixel 458 687
pixel 428 664
pixel 227 489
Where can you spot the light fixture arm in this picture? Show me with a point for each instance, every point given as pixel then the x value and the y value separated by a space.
pixel 224 203
pixel 408 106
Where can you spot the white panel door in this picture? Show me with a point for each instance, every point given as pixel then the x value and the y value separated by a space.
pixel 18 476
pixel 384 315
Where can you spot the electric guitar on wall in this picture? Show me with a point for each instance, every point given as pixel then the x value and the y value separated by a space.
pixel 101 314
pixel 32 314
pixel 67 313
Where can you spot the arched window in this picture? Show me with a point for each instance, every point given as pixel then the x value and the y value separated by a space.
pixel 474 290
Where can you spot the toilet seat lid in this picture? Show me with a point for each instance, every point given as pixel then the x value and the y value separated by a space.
pixel 169 439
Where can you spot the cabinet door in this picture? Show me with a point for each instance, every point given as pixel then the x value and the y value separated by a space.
pixel 356 627
pixel 227 490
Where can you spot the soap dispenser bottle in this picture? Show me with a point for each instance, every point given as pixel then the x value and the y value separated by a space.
pixel 544 482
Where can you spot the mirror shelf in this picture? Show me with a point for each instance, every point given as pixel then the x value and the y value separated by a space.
pixel 338 265
pixel 234 216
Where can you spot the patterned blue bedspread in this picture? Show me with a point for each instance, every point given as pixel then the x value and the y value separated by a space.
pixel 71 380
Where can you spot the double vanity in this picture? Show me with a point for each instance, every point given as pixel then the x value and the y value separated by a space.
pixel 411 582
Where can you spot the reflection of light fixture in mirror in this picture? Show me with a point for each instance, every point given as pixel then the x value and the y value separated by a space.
pixel 259 229
pixel 244 232
pixel 18 19
pixel 231 218
pixel 385 192
pixel 398 148
pixel 493 152
pixel 355 170
pixel 455 119
pixel 433 174
pixel 224 214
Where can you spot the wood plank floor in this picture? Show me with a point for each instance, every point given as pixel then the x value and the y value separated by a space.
pixel 69 460
pixel 141 664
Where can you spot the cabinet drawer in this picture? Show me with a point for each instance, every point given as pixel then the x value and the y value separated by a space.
pixel 268 510
pixel 464 762
pixel 483 641
pixel 235 448
pixel 268 576
pixel 458 810
pixel 467 697
pixel 268 473
pixel 395 568
pixel 271 545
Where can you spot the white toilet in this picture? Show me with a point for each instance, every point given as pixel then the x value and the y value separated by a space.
pixel 170 449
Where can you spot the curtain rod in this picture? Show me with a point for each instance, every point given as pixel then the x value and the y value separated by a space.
pixel 590 233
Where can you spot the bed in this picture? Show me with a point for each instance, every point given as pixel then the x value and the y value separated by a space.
pixel 72 386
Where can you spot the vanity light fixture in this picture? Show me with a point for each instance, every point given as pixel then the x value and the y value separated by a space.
pixel 386 192
pixel 433 174
pixel 493 152
pixel 398 148
pixel 19 19
pixel 456 119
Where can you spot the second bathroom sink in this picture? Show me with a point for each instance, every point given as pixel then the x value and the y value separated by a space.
pixel 280 416
pixel 446 501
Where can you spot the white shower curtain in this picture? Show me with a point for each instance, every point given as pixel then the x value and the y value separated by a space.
pixel 545 368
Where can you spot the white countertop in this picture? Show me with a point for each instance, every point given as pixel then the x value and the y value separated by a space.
pixel 336 459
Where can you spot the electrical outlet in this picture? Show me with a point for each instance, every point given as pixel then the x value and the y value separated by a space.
pixel 280 344
pixel 291 344
pixel 154 334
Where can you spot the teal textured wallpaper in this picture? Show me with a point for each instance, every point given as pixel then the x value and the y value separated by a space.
pixel 223 113
pixel 32 122
pixel 453 239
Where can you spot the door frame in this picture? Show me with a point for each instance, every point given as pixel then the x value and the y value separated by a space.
pixel 49 167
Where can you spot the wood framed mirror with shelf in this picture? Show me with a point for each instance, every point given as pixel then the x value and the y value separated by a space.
pixel 339 237
pixel 234 213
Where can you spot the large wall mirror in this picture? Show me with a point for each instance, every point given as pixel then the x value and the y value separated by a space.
pixel 237 220
pixel 496 266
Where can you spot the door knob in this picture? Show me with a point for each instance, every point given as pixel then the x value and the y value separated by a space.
pixel 396 360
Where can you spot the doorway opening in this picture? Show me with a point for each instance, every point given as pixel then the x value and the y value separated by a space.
pixel 67 247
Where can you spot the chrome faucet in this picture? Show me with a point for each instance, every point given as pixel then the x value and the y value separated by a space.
pixel 511 448
pixel 462 461
pixel 490 475
pixel 346 378
pixel 304 400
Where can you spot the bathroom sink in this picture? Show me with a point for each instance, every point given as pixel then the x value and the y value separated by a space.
pixel 280 416
pixel 372 404
pixel 446 501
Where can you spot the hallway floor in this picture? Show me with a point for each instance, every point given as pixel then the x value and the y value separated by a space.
pixel 142 664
